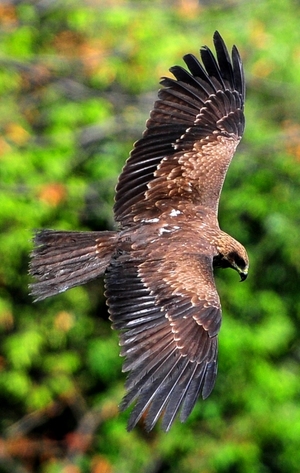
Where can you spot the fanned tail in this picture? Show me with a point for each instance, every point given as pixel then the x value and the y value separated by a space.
pixel 61 260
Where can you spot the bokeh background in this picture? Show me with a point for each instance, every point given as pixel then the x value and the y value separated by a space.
pixel 77 81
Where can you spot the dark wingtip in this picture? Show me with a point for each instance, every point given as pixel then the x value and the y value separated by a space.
pixel 217 36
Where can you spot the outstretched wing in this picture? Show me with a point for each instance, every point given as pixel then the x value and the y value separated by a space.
pixel 168 313
pixel 191 136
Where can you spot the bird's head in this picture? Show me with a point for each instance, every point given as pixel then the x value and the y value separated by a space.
pixel 231 254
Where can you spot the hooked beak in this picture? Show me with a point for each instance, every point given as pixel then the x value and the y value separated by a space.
pixel 243 275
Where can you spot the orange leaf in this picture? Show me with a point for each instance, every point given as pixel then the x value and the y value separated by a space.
pixel 53 194
pixel 8 15
pixel 16 133
pixel 100 464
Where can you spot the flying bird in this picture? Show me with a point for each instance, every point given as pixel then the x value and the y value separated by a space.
pixel 158 266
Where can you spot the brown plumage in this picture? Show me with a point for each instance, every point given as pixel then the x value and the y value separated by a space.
pixel 159 265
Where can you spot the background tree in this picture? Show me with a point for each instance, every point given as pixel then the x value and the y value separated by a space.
pixel 77 81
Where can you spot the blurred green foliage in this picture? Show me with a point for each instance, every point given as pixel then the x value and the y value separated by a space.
pixel 77 81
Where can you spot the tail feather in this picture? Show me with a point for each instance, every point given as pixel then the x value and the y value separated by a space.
pixel 61 260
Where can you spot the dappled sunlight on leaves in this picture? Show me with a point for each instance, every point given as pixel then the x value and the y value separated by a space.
pixel 77 82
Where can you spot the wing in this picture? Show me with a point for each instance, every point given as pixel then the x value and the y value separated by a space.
pixel 191 136
pixel 168 313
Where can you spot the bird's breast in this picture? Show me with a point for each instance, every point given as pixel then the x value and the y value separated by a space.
pixel 188 230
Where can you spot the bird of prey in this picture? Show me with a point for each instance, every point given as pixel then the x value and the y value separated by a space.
pixel 158 266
